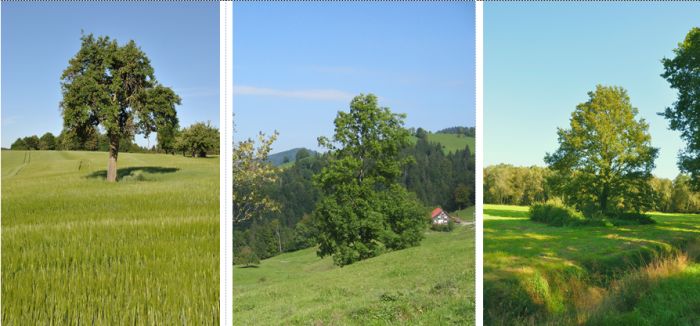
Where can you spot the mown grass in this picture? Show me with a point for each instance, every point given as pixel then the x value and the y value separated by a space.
pixel 538 274
pixel 432 284
pixel 450 142
pixel 79 250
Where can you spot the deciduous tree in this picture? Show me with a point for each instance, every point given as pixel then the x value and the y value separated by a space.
pixel 605 158
pixel 114 86
pixel 364 210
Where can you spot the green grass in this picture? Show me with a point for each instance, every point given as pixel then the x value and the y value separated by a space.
pixel 538 274
pixel 466 214
pixel 432 284
pixel 79 250
pixel 450 142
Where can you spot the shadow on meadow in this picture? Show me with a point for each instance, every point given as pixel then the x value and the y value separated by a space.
pixel 133 171
pixel 535 273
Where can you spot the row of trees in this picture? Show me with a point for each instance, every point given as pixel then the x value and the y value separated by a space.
pixel 195 140
pixel 514 185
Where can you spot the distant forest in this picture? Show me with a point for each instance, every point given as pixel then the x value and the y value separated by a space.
pixel 515 185
pixel 437 179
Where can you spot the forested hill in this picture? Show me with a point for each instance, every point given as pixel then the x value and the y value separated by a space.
pixel 440 171
pixel 290 156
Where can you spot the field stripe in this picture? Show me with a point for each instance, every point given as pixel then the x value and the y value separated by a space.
pixel 109 223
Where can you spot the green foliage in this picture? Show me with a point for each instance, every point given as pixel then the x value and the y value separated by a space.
pixel 199 139
pixel 247 257
pixel 681 72
pixel 443 227
pixel 251 173
pixel 114 86
pixel 77 250
pixel 363 210
pixel 47 142
pixel 555 213
pixel 302 154
pixel 507 184
pixel 605 159
pixel 431 284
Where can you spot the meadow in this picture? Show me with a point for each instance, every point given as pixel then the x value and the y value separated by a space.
pixel 79 250
pixel 631 275
pixel 431 284
pixel 452 142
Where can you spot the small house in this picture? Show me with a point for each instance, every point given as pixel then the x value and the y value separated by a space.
pixel 438 216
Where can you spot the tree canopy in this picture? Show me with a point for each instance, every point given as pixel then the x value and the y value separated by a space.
pixel 683 74
pixel 197 139
pixel 363 209
pixel 114 86
pixel 251 173
pixel 605 156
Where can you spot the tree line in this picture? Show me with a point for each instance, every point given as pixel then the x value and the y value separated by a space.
pixel 515 185
pixel 199 139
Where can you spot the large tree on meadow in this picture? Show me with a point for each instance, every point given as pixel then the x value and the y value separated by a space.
pixel 683 74
pixel 364 210
pixel 604 160
pixel 114 86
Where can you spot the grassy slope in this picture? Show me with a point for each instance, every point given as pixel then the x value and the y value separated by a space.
pixel 429 284
pixel 535 273
pixel 452 142
pixel 76 249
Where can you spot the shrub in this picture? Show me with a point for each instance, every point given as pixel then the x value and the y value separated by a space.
pixel 443 227
pixel 631 218
pixel 555 213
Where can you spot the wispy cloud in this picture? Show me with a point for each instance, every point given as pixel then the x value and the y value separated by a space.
pixel 309 94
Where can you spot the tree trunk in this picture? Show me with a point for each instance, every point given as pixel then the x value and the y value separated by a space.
pixel 113 153
pixel 604 199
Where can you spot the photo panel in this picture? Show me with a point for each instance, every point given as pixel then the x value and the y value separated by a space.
pixel 110 163
pixel 354 163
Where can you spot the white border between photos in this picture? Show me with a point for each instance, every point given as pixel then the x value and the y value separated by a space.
pixel 226 165
pixel 479 175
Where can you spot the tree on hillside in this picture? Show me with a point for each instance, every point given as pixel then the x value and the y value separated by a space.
pixel 114 86
pixel 364 210
pixel 47 142
pixel 251 173
pixel 683 74
pixel 198 139
pixel 605 159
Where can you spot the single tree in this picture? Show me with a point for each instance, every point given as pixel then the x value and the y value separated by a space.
pixel 114 86
pixel 167 139
pixel 683 74
pixel 605 159
pixel 47 142
pixel 462 196
pixel 247 257
pixel 198 139
pixel 251 173
pixel 364 210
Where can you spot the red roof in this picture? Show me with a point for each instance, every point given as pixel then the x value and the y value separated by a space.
pixel 436 212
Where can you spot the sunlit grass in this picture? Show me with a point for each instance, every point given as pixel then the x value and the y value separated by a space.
pixel 432 284
pixel 79 250
pixel 536 273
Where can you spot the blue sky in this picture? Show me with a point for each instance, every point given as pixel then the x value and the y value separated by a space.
pixel 541 59
pixel 295 65
pixel 38 39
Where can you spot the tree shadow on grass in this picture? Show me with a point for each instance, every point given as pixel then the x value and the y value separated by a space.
pixel 123 172
pixel 249 266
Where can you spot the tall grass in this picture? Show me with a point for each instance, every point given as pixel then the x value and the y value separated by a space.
pixel 79 250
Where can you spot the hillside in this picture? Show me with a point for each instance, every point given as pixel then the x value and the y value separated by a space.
pixel 142 251
pixel 429 284
pixel 450 142
pixel 277 159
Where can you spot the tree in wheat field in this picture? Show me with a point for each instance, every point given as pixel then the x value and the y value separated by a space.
pixel 114 86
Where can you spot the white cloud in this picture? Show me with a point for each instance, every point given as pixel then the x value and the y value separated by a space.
pixel 310 94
